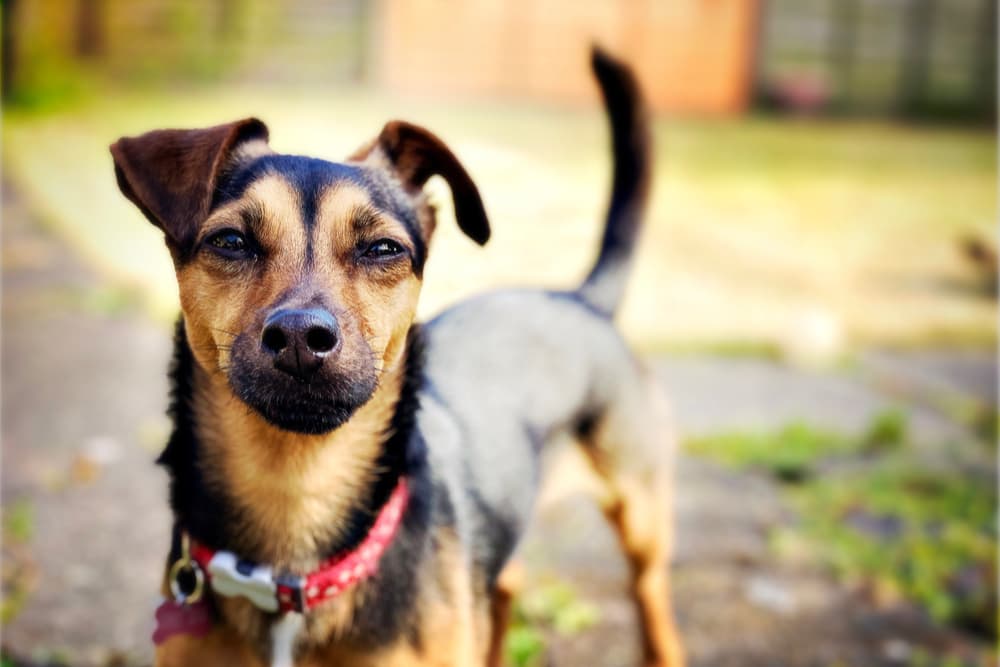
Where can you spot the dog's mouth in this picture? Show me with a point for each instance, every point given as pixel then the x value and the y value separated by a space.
pixel 318 405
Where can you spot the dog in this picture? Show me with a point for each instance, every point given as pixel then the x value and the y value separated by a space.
pixel 348 487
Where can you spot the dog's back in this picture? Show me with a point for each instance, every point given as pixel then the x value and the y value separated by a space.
pixel 543 360
pixel 375 478
pixel 509 372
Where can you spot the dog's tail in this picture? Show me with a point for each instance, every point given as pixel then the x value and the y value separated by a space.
pixel 631 147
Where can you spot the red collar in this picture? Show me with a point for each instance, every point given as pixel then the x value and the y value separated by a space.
pixel 228 575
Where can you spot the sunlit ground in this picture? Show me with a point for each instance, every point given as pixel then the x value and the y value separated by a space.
pixel 765 236
pixel 762 231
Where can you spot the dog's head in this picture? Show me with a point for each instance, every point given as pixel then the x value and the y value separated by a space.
pixel 298 277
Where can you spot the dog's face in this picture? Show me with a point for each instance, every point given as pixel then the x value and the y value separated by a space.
pixel 298 277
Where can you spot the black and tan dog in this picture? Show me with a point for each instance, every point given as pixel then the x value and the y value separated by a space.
pixel 348 487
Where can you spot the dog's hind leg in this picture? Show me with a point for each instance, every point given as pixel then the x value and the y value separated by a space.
pixel 507 586
pixel 631 448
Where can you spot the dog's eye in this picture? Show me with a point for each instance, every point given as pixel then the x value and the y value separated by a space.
pixel 383 248
pixel 229 243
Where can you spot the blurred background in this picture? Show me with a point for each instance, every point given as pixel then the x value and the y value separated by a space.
pixel 816 287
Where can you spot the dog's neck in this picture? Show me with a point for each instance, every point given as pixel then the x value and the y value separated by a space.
pixel 276 497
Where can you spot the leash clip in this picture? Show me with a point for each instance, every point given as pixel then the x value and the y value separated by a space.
pixel 185 565
pixel 292 593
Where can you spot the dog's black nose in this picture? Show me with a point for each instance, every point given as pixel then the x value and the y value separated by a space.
pixel 299 340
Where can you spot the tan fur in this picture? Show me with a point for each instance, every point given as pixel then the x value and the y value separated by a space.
pixel 294 490
pixel 628 455
pixel 216 299
pixel 220 648
pixel 384 303
pixel 508 585
pixel 450 636
pixel 374 156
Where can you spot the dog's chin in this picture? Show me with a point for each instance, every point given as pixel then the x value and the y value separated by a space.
pixel 308 422
pixel 310 409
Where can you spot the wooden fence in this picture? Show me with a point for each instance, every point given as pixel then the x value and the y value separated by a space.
pixel 899 57
pixel 886 57
pixel 691 55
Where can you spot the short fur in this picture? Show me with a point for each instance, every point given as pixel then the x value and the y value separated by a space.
pixel 288 463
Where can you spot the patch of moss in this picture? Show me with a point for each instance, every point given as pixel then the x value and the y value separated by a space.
pixel 552 607
pixel 888 430
pixel 790 454
pixel 927 535
pixel 19 522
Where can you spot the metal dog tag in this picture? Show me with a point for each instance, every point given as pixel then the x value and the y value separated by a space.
pixel 231 577
pixel 175 618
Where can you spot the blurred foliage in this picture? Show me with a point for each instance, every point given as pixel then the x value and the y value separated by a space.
pixel 524 646
pixel 551 607
pixel 923 658
pixel 887 430
pixel 921 531
pixel 17 570
pixel 42 657
pixel 927 535
pixel 63 52
pixel 19 522
pixel 986 424
pixel 728 349
pixel 793 453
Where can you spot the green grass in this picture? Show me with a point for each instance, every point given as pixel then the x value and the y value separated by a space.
pixel 924 658
pixel 17 572
pixel 551 607
pixel 928 535
pixel 794 452
pixel 19 522
pixel 729 349
pixel 911 530
pixel 789 455
pixel 888 430
pixel 754 222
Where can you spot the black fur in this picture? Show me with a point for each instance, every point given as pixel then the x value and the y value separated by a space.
pixel 292 404
pixel 499 534
pixel 404 450
pixel 211 518
pixel 310 177
pixel 631 147
pixel 203 511
pixel 485 519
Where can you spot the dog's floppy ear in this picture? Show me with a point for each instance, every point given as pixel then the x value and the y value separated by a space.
pixel 171 175
pixel 414 155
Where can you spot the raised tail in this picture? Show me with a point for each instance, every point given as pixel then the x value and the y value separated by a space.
pixel 632 147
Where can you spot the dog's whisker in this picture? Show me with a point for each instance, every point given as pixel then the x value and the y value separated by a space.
pixel 225 331
pixel 213 348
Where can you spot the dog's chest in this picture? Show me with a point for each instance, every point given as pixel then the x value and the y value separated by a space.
pixel 279 640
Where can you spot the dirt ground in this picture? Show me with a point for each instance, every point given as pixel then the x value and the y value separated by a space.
pixel 82 420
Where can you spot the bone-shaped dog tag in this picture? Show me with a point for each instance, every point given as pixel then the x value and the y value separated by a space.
pixel 231 576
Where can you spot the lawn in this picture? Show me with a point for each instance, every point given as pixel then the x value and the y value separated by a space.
pixel 908 523
pixel 764 233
